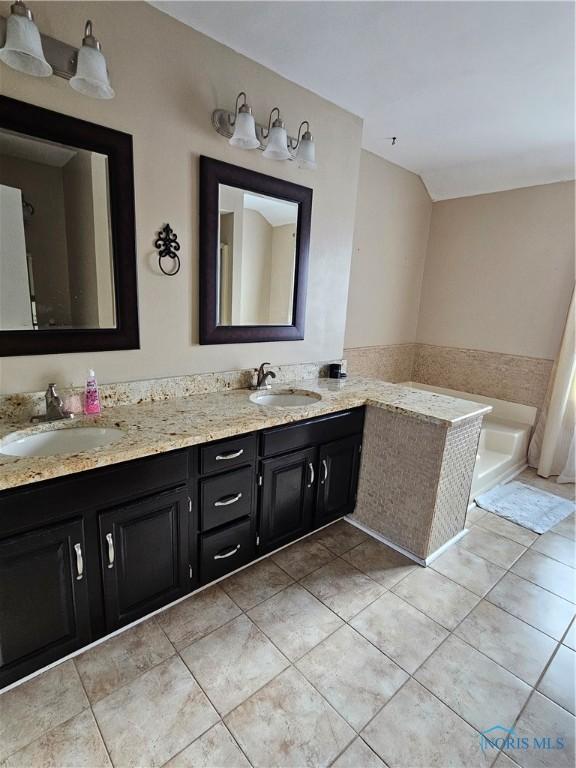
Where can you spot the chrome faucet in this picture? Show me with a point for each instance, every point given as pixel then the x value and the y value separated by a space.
pixel 54 407
pixel 262 377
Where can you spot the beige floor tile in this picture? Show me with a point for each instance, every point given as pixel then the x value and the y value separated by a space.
pixel 557 547
pixel 215 749
pixel 570 637
pixel 547 573
pixel 530 477
pixel 471 571
pixel 415 730
pixel 122 658
pixel 153 718
pixel 497 549
pixel 233 662
pixel 504 762
pixel 566 527
pixel 515 645
pixel 31 709
pixel 381 563
pixel 287 723
pixel 74 744
pixel 478 689
pixel 356 678
pixel 542 718
pixel 506 528
pixel 531 603
pixel 558 682
pixel 295 621
pixel 256 584
pixel 439 598
pixel 358 755
pixel 403 633
pixel 197 616
pixel 302 558
pixel 343 588
pixel 474 515
pixel 340 537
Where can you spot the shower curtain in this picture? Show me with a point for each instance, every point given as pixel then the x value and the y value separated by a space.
pixel 552 449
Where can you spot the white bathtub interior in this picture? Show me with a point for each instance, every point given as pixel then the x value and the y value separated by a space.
pixel 503 445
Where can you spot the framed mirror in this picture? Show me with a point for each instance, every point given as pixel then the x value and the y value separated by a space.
pixel 254 240
pixel 67 246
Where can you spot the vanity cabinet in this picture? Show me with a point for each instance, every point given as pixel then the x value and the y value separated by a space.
pixel 44 601
pixel 83 555
pixel 287 498
pixel 144 554
pixel 338 464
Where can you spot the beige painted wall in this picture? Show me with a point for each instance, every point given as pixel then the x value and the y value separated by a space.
pixel 168 78
pixel 255 262
pixel 392 221
pixel 500 271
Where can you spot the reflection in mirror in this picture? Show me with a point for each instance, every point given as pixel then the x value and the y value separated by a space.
pixel 257 258
pixel 56 255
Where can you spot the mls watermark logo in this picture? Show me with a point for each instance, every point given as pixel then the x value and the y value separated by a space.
pixel 498 737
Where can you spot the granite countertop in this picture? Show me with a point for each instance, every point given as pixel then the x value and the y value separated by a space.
pixel 158 427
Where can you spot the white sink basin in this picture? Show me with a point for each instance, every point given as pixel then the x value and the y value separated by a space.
pixel 285 398
pixel 58 441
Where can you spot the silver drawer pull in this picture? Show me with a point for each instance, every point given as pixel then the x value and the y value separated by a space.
pixel 325 471
pixel 230 455
pixel 227 500
pixel 79 562
pixel 229 553
pixel 311 470
pixel 110 542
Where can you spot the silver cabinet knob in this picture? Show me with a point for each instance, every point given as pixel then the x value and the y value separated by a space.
pixel 79 562
pixel 110 542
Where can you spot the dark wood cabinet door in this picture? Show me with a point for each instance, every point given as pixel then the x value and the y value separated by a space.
pixel 287 498
pixel 145 556
pixel 44 606
pixel 338 465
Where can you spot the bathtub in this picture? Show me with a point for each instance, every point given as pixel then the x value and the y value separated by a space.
pixel 503 445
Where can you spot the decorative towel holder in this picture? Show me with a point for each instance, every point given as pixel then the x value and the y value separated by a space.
pixel 168 246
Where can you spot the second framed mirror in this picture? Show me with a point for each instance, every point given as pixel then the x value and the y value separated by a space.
pixel 254 241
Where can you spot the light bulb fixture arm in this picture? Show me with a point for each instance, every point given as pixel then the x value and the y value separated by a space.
pixel 266 131
pixel 238 107
pixel 295 144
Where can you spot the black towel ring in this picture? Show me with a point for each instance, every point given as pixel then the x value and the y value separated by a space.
pixel 168 246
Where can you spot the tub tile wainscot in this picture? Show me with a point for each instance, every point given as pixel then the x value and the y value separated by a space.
pixel 199 486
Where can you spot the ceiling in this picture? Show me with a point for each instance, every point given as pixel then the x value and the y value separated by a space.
pixel 479 94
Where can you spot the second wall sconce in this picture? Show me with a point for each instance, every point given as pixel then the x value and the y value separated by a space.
pixel 242 131
pixel 27 51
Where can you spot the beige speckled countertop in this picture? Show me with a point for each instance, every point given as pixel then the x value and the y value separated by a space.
pixel 158 427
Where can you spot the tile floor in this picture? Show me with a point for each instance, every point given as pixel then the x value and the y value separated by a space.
pixel 336 651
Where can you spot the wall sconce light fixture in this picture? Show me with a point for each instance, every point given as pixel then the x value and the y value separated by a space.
pixel 26 50
pixel 244 135
pixel 242 131
pixel 23 47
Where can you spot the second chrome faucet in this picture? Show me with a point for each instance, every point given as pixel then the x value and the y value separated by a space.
pixel 262 376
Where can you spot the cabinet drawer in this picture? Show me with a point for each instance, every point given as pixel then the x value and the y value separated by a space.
pixel 226 497
pixel 313 432
pixel 226 549
pixel 227 454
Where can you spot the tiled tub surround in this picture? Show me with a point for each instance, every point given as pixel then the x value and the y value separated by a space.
pixel 334 651
pixel 158 427
pixel 513 378
pixel 421 504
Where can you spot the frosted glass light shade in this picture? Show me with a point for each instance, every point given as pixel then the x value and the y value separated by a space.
pixel 306 154
pixel 244 135
pixel 91 78
pixel 277 147
pixel 23 48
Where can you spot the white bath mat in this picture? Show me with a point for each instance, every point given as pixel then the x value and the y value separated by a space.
pixel 534 509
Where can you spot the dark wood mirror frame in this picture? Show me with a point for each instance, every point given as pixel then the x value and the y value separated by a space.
pixel 212 174
pixel 41 123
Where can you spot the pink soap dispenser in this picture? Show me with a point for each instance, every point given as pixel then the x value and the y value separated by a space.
pixel 91 395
